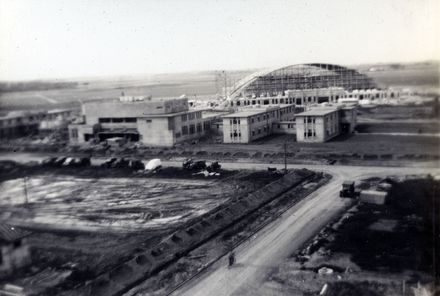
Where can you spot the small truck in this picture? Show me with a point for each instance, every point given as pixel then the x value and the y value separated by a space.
pixel 348 190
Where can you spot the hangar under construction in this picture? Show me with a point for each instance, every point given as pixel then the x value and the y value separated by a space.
pixel 305 84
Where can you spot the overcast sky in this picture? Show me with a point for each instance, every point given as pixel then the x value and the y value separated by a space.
pixel 59 39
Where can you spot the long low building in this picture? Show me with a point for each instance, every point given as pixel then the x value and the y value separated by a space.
pixel 154 122
pixel 23 123
pixel 253 123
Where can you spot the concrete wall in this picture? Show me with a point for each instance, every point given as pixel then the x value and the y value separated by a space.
pixel 116 109
pixel 241 127
pixel 77 132
pixel 285 127
pixel 155 131
pixel 322 128
pixel 255 126
pixel 349 116
pixel 167 131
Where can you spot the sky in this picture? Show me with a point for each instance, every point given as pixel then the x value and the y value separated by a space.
pixel 42 39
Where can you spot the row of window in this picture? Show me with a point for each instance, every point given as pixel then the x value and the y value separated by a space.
pixel 20 120
pixel 309 119
pixel 331 116
pixel 273 114
pixel 74 133
pixel 292 100
pixel 191 116
pixel 310 133
pixel 236 135
pixel 192 129
pixel 258 131
pixel 117 120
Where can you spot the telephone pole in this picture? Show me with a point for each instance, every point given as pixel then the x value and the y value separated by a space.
pixel 25 191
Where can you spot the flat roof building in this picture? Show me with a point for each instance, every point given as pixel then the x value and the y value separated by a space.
pixel 22 123
pixel 321 124
pixel 154 122
pixel 253 123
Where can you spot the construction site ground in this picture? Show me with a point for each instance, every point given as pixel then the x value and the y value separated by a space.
pixel 89 220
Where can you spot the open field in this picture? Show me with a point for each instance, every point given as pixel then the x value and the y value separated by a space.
pixel 397 113
pixel 424 78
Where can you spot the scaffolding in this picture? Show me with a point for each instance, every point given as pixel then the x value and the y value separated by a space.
pixel 301 77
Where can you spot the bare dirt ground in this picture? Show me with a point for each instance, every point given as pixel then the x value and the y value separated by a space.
pixel 124 204
pixel 86 221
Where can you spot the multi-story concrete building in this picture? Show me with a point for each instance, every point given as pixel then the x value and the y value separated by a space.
pixel 22 123
pixel 154 122
pixel 324 123
pixel 252 123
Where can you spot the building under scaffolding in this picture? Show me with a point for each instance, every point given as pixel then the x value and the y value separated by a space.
pixel 301 77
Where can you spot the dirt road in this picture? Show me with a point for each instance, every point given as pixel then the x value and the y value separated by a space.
pixel 275 242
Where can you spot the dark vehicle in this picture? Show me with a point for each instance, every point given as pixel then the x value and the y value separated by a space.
pixel 214 166
pixel 136 165
pixel 120 163
pixel 231 259
pixel 59 161
pixel 108 163
pixel 348 190
pixel 271 169
pixel 192 165
pixel 331 161
pixel 49 161
pixel 187 163
pixel 81 162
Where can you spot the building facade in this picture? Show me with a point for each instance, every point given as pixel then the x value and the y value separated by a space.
pixel 22 123
pixel 324 123
pixel 250 124
pixel 154 122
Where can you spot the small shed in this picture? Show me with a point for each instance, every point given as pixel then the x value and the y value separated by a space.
pixel 14 250
pixel 373 197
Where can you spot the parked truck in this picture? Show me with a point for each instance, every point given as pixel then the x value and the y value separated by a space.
pixel 348 190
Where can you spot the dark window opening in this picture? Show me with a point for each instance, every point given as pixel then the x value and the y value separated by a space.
pixel 323 100
pixel 17 243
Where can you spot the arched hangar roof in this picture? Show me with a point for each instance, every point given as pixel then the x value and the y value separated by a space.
pixel 302 76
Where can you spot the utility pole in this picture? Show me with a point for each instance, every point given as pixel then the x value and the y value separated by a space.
pixel 25 191
pixel 224 86
pixel 285 157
